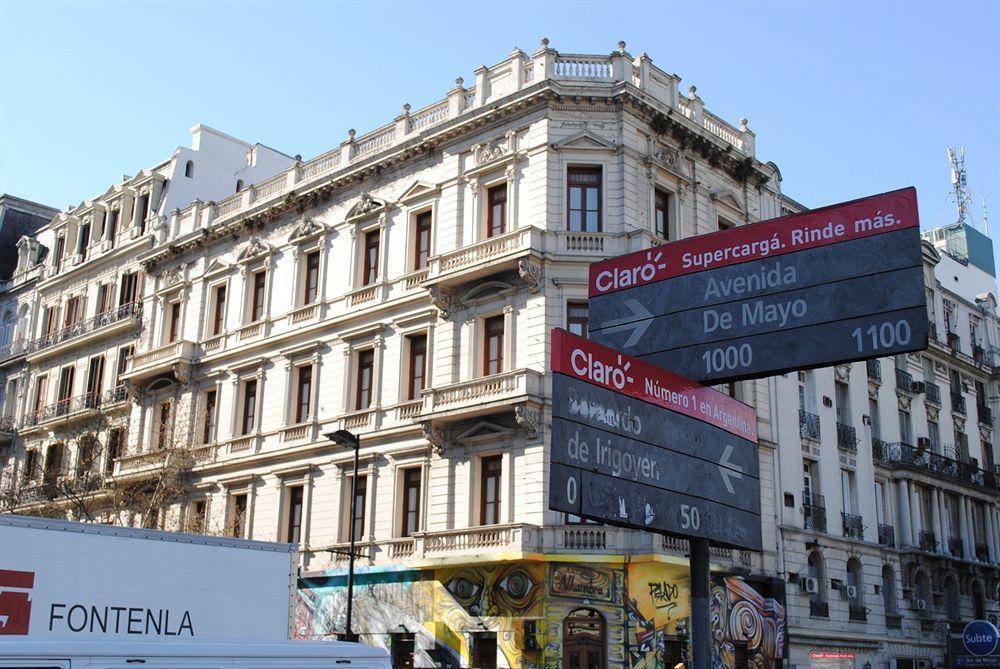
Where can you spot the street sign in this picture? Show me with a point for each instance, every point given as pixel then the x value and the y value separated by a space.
pixel 637 446
pixel 831 285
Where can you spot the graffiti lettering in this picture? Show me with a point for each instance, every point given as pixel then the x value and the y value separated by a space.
pixel 664 595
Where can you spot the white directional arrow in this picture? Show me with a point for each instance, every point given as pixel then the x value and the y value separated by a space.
pixel 638 322
pixel 726 469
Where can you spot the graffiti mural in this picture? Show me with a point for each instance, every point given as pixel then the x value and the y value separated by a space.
pixel 643 607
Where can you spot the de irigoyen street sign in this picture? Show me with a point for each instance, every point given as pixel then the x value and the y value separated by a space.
pixel 637 446
pixel 831 285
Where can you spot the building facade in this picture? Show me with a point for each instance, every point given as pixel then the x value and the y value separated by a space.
pixel 403 286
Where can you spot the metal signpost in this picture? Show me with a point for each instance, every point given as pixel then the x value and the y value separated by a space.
pixel 831 285
pixel 640 447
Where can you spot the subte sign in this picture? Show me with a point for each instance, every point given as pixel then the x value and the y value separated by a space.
pixel 640 447
pixel 831 285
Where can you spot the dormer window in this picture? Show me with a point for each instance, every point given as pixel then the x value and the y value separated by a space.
pixel 83 241
pixel 239 185
pixel 189 169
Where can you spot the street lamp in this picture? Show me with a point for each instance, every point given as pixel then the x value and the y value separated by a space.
pixel 350 440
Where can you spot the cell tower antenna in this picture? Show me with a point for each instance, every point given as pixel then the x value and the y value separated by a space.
pixel 959 184
pixel 986 218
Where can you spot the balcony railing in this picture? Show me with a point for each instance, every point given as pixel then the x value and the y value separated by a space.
pixel 857 614
pixel 874 370
pixel 955 547
pixel 13 349
pixel 74 405
pixel 982 553
pixel 125 312
pixel 957 402
pixel 933 391
pixel 8 425
pixel 904 380
pixel 814 512
pixel 984 414
pixel 904 455
pixel 853 526
pixel 809 425
pixel 894 621
pixel 887 535
pixel 927 541
pixel 847 438
pixel 819 609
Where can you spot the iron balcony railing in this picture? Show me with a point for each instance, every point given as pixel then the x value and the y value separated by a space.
pixel 8 424
pixel 982 553
pixel 894 621
pixel 955 547
pixel 71 405
pixel 819 609
pixel 847 438
pixel 957 402
pixel 874 370
pixel 904 380
pixel 984 414
pixel 927 541
pixel 14 349
pixel 905 455
pixel 809 425
pixel 853 526
pixel 933 391
pixel 887 535
pixel 858 614
pixel 102 320
pixel 814 512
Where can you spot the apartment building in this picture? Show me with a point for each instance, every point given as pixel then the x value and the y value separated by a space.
pixel 72 312
pixel 403 286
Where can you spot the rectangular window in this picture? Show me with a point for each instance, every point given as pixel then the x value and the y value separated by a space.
pixel 142 209
pixel 66 378
pixel 208 421
pixel 303 393
pixel 249 407
pixel 934 435
pixel 129 288
pixel 366 376
pixel 310 288
pixel 219 310
pixel 85 457
pixel 496 214
pixel 111 229
pixel 103 299
pixel 124 353
pixel 72 314
pixel 411 502
pixel 30 466
pixel 577 318
pixel 905 427
pixel 489 490
pixel 198 512
pixel 293 521
pixel 57 257
pixel 493 346
pixel 403 648
pixel 51 319
pixel 422 250
pixel 418 366
pixel 83 241
pixel 163 411
pixel 53 462
pixel 725 224
pixel 661 214
pixel 874 419
pixel 372 240
pixel 257 296
pixel 843 400
pixel 237 515
pixel 41 389
pixel 95 380
pixel 360 502
pixel 584 199
pixel 116 443
pixel 174 318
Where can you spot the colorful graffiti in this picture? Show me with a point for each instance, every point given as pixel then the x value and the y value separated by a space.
pixel 644 606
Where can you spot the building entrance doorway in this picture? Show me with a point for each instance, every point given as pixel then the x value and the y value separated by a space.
pixel 584 640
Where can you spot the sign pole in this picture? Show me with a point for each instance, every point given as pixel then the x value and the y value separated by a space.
pixel 701 628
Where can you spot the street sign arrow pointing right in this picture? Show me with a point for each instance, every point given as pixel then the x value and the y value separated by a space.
pixel 638 322
pixel 726 468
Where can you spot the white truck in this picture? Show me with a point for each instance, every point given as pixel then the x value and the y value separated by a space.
pixel 131 593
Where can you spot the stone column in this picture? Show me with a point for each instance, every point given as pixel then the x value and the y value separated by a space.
pixel 990 536
pixel 963 527
pixel 942 520
pixel 915 512
pixel 905 528
pixel 936 519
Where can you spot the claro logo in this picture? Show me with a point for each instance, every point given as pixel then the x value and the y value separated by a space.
pixel 606 374
pixel 15 601
pixel 624 277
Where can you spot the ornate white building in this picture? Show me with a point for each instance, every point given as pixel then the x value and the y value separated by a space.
pixel 403 286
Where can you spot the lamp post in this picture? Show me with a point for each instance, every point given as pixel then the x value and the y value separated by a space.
pixel 350 440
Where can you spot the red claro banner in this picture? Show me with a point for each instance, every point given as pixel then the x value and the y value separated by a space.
pixel 866 217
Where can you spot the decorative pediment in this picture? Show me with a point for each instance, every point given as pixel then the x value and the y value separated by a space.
pixel 481 430
pixel 254 249
pixel 729 198
pixel 365 205
pixel 218 267
pixel 584 140
pixel 307 229
pixel 419 190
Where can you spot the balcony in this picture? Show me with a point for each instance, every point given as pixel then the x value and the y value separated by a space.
pixel 69 409
pixel 813 512
pixel 985 416
pixel 927 541
pixel 955 547
pixel 854 527
pixel 982 553
pixel 957 403
pixel 904 381
pixel 486 395
pixel 874 370
pixel 847 438
pixel 14 350
pixel 954 341
pixel 108 323
pixel 894 621
pixel 819 609
pixel 898 455
pixel 886 535
pixel 857 614
pixel 809 425
pixel 502 253
pixel 174 359
pixel 933 391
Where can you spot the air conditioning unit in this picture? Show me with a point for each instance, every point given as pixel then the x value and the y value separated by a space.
pixel 923 442
pixel 917 387
pixel 920 604
pixel 850 591
pixel 810 585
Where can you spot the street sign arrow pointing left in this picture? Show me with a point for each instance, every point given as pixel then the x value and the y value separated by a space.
pixel 638 322
pixel 726 468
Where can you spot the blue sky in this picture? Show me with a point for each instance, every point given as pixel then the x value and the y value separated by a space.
pixel 849 99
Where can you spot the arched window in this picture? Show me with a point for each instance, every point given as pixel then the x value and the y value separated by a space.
pixel 239 185
pixel 189 169
pixel 817 600
pixel 7 328
pixel 584 639
pixel 889 590
pixel 856 589
pixel 951 600
pixel 922 591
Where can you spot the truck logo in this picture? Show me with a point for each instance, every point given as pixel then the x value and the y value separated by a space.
pixel 15 605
